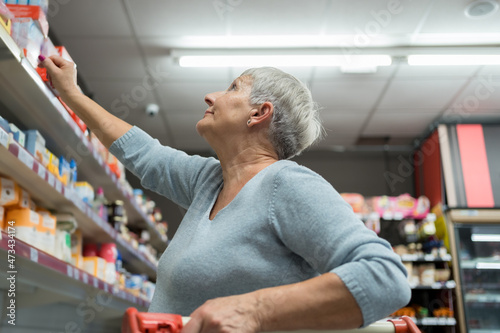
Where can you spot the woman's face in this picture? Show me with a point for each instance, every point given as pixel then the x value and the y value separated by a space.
pixel 228 111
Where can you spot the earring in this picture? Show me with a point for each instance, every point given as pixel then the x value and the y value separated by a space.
pixel 249 121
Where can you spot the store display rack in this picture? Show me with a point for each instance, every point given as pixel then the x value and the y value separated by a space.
pixel 47 267
pixel 29 99
pixel 438 285
pixel 49 192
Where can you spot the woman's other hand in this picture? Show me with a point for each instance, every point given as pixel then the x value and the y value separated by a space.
pixel 61 74
pixel 227 314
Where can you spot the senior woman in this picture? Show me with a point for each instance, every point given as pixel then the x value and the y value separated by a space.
pixel 265 244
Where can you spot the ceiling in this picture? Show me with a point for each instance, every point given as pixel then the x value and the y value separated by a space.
pixel 126 54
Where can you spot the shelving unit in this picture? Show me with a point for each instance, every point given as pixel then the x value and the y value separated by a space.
pixel 21 166
pixel 49 292
pixel 30 100
pixel 428 296
pixel 45 286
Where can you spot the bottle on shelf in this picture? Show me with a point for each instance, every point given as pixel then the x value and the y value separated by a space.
pixel 100 204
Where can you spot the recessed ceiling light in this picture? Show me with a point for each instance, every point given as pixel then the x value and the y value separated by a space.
pixel 481 8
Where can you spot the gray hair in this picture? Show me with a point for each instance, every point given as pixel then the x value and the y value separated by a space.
pixel 295 124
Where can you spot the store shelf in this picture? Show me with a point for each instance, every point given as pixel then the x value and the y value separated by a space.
pixel 480 263
pixel 50 193
pixel 475 215
pixel 49 269
pixel 30 101
pixel 483 298
pixel 432 321
pixel 425 258
pixel 438 285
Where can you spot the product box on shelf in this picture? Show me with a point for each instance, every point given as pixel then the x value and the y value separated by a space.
pixel 17 134
pixel 35 144
pixel 24 199
pixel 44 4
pixel 95 266
pixel 5 17
pixel 9 192
pixel 26 222
pixel 47 231
pixel 36 13
pixel 28 36
pixel 63 245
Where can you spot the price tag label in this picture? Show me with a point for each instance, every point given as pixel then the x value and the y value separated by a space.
pixel 96 282
pixel 69 271
pixel 106 289
pixel 26 158
pixel 76 274
pixel 442 321
pixel 33 254
pixel 50 179
pixel 41 171
pixel 429 257
pixel 58 186
pixel 85 278
pixel 113 178
pixel 4 138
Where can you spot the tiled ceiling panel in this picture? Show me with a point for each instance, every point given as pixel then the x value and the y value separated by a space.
pixel 448 16
pixel 154 18
pixel 104 58
pixel 94 18
pixel 279 17
pixel 348 94
pixel 421 93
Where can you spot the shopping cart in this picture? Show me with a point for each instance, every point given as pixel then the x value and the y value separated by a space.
pixel 144 322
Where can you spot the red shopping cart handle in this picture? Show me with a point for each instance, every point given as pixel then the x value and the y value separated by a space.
pixel 144 322
pixel 404 325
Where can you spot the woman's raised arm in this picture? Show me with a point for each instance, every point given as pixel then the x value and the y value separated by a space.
pixel 62 75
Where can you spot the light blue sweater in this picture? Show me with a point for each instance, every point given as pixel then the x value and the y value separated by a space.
pixel 286 225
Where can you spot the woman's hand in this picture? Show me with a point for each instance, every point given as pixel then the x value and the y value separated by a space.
pixel 228 314
pixel 61 74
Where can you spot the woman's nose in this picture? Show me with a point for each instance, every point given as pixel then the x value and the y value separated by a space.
pixel 210 98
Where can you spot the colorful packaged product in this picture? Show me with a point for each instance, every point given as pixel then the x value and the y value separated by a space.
pixel 95 266
pixel 9 192
pixel 26 223
pixel 47 231
pixel 35 13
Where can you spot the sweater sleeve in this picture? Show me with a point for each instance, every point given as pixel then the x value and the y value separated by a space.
pixel 314 222
pixel 162 169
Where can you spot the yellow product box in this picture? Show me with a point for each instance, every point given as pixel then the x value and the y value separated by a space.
pixel 26 222
pixel 77 261
pixel 9 192
pixel 47 231
pixel 94 266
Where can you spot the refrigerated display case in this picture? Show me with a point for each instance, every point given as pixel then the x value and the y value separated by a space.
pixel 475 243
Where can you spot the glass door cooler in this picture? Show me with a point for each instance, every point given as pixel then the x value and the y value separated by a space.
pixel 475 243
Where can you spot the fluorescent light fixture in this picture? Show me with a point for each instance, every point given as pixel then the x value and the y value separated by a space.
pixel 363 61
pixel 488 265
pixel 485 238
pixel 452 60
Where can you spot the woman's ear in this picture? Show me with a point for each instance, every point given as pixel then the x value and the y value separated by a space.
pixel 263 113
